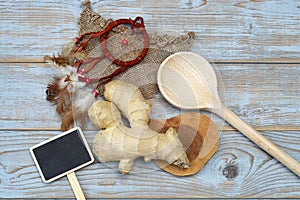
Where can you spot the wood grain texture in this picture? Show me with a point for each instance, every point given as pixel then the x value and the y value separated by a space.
pixel 256 45
pixel 238 169
pixel 226 30
pixel 266 96
pixel 257 138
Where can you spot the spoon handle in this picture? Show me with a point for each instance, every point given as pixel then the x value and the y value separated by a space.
pixel 258 139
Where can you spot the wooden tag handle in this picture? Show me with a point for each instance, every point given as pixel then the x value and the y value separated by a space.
pixel 259 139
pixel 75 186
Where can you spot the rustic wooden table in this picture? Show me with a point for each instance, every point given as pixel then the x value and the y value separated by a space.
pixel 256 48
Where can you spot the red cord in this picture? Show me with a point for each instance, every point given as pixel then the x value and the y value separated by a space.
pixel 137 25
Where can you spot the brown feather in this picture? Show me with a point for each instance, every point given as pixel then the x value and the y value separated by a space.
pixel 68 56
pixel 63 100
pixel 67 120
pixel 59 60
pixel 53 89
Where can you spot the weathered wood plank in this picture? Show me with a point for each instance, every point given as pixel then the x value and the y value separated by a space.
pixel 253 34
pixel 238 169
pixel 236 30
pixel 266 96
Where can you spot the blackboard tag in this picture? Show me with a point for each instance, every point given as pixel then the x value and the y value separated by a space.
pixel 62 155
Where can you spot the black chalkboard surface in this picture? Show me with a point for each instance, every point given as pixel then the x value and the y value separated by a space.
pixel 61 155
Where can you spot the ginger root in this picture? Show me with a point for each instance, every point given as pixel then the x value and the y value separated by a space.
pixel 129 99
pixel 117 142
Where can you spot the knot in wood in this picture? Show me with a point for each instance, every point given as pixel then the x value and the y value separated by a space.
pixel 230 172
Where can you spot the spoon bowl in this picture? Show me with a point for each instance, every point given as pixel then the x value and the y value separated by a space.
pixel 183 83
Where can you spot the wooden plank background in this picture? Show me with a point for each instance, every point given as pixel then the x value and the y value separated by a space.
pixel 256 48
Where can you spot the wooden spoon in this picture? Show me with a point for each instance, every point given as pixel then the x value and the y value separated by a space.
pixel 188 81
pixel 198 135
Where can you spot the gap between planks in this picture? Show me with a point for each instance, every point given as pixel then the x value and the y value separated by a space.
pixel 223 128
pixel 261 61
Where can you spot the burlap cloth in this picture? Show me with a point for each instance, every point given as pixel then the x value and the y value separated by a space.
pixel 143 74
